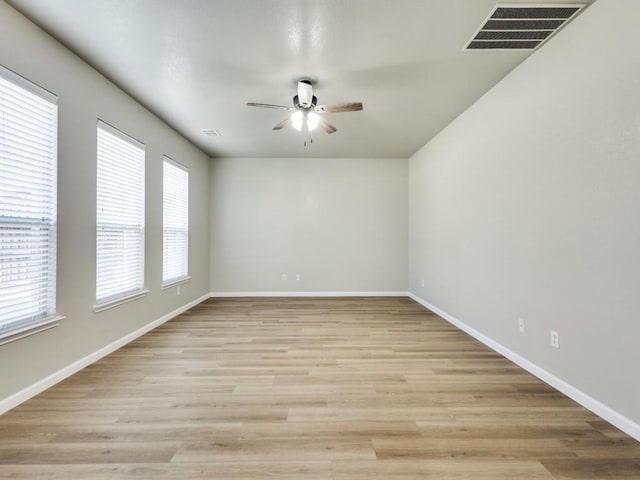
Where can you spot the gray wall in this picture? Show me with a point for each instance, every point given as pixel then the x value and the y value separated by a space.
pixel 339 223
pixel 84 96
pixel 528 205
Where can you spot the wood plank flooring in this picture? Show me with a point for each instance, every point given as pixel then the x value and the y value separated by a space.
pixel 315 389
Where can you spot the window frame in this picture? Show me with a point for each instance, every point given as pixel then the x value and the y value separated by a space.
pixel 115 298
pixel 171 281
pixel 44 216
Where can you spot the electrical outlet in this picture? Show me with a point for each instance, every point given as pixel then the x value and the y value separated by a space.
pixel 284 276
pixel 297 277
pixel 422 283
pixel 555 339
pixel 178 290
pixel 521 325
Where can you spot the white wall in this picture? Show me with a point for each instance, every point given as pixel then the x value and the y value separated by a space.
pixel 528 206
pixel 339 223
pixel 83 97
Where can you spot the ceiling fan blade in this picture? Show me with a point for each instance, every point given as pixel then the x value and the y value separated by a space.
pixel 339 107
pixel 282 124
pixel 305 93
pixel 326 126
pixel 268 105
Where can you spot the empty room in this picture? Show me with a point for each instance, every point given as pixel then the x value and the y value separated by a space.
pixel 319 239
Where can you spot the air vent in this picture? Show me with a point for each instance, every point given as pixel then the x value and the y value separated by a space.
pixel 521 26
pixel 210 132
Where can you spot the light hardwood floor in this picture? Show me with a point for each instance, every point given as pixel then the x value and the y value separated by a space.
pixel 317 389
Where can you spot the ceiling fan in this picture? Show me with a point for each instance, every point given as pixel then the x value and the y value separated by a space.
pixel 305 116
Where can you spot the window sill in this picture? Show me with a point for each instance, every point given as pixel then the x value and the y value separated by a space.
pixel 176 282
pixel 119 301
pixel 29 330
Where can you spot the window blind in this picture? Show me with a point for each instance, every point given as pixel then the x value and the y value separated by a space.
pixel 175 222
pixel 119 215
pixel 28 182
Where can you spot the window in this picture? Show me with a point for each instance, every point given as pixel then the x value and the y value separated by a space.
pixel 119 217
pixel 175 222
pixel 28 182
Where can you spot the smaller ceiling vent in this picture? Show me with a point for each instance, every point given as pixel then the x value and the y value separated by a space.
pixel 210 132
pixel 521 26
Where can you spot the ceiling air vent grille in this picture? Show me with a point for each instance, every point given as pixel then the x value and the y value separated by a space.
pixel 521 26
pixel 211 132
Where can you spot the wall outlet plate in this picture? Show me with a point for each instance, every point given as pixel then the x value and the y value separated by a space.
pixel 284 276
pixel 521 325
pixel 555 339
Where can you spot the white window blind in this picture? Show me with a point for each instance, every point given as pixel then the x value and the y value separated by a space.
pixel 119 216
pixel 175 222
pixel 28 164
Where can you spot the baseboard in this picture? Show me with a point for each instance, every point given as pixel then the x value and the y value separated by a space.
pixel 16 399
pixel 623 423
pixel 307 294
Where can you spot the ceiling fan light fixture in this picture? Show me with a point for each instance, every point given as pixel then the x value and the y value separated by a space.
pixel 297 119
pixel 312 120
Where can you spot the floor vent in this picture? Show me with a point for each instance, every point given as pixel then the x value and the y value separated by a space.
pixel 521 26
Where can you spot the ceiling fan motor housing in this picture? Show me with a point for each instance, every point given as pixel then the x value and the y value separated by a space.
pixel 297 104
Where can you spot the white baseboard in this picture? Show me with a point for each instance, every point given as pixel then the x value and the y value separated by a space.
pixel 623 423
pixel 307 294
pixel 17 398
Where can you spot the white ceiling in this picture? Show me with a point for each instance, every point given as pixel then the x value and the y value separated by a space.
pixel 196 63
